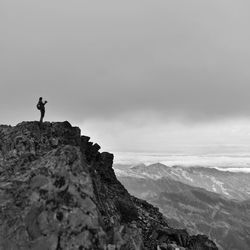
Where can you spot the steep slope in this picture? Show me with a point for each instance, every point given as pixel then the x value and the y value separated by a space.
pixel 58 192
pixel 200 211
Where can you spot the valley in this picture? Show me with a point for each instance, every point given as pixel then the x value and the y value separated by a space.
pixel 203 200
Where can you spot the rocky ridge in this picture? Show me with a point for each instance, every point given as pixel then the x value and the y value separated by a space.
pixel 58 192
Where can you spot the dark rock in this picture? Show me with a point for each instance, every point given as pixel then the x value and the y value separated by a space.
pixel 58 192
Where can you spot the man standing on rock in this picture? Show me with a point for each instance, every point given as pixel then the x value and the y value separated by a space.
pixel 41 106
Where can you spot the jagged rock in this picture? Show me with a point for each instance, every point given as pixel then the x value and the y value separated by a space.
pixel 58 192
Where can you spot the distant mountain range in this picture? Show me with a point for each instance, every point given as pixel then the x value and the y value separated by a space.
pixel 203 200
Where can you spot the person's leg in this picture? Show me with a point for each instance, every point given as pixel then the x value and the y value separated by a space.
pixel 42 116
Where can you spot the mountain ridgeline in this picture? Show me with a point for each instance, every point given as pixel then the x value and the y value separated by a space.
pixel 202 200
pixel 58 192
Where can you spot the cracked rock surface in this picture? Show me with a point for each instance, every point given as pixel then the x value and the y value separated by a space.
pixel 58 192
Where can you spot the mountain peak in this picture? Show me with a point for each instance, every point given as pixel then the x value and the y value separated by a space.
pixel 58 192
pixel 157 165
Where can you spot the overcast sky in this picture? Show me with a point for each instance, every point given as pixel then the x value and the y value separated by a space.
pixel 135 74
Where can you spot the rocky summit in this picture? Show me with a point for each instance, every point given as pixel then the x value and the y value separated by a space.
pixel 58 192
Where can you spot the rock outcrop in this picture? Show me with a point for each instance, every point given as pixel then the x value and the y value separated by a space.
pixel 58 192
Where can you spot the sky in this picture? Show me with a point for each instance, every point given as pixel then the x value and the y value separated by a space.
pixel 135 75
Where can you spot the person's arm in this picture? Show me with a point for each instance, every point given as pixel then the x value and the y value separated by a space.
pixel 45 102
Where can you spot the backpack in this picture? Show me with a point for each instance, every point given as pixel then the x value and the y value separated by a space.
pixel 38 106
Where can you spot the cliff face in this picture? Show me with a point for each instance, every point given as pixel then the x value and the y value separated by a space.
pixel 58 192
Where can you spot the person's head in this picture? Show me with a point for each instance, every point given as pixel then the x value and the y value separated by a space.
pixel 40 99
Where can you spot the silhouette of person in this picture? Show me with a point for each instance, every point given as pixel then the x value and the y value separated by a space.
pixel 41 106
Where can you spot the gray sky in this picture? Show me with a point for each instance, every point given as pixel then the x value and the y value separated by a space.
pixel 147 73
